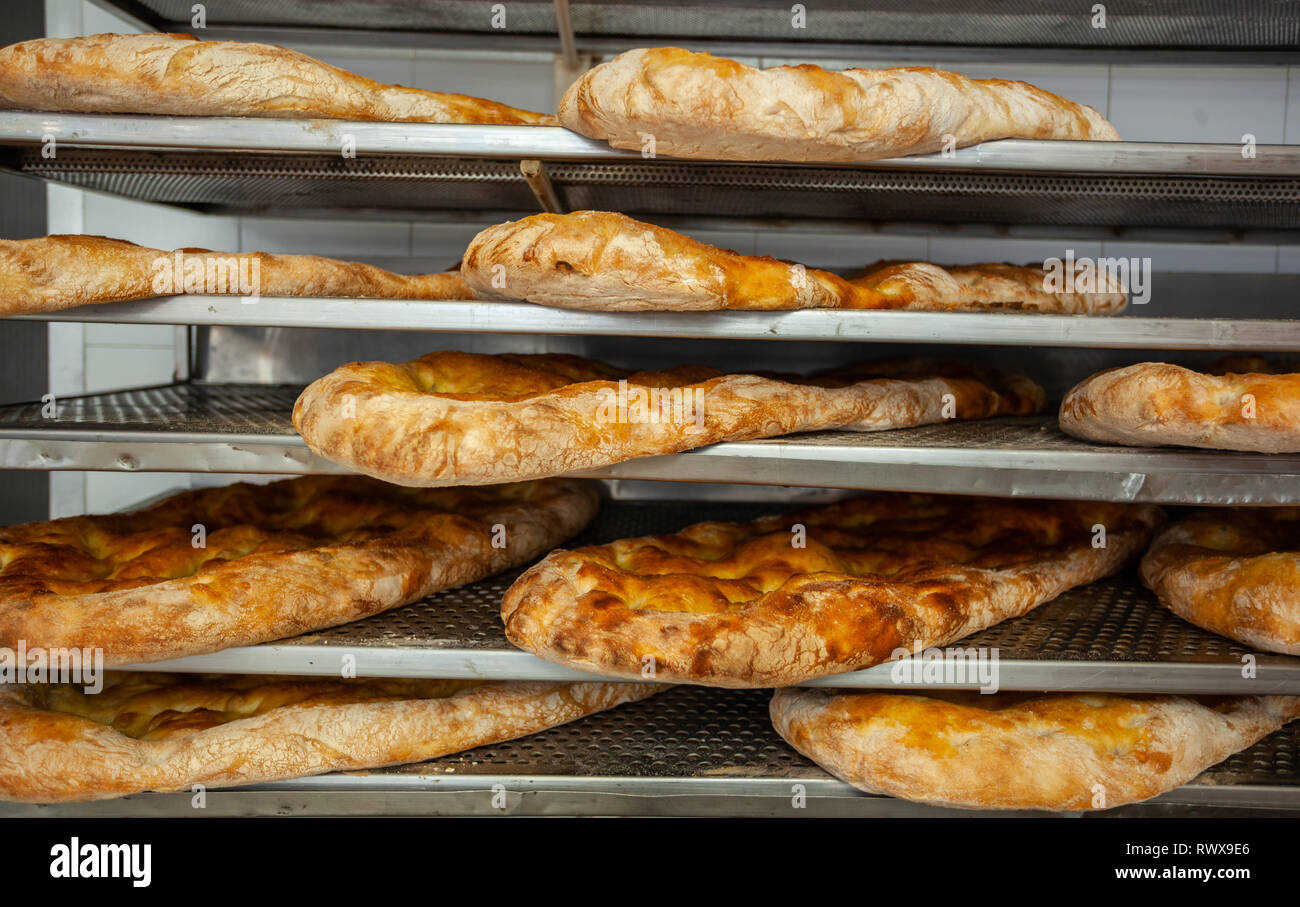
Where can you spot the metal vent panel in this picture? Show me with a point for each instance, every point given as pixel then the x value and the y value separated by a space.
pixel 1150 23
pixel 411 182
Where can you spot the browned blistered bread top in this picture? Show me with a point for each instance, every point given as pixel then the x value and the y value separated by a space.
pixel 1154 403
pixel 180 75
pixel 171 731
pixel 217 567
pixel 604 261
pixel 1055 751
pixel 51 273
pixel 462 418
pixel 1233 572
pixel 787 598
pixel 695 105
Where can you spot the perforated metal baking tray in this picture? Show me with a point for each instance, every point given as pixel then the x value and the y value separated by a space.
pixel 1032 23
pixel 684 752
pixel 1129 332
pixel 246 428
pixel 1111 635
pixel 259 164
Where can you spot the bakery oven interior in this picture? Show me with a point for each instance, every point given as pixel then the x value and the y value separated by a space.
pixel 1217 224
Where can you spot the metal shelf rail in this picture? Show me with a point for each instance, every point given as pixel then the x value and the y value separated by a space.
pixel 240 164
pixel 247 428
pixel 688 751
pixel 979 328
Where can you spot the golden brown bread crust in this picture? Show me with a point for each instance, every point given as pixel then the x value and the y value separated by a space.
pixel 1056 751
pixel 1155 403
pixel 737 605
pixel 58 272
pixel 165 732
pixel 1233 572
pixel 699 106
pixel 179 75
pixel 451 418
pixel 602 261
pixel 278 560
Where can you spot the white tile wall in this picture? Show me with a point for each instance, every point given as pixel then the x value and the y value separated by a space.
pixel 1198 104
pixel 1168 103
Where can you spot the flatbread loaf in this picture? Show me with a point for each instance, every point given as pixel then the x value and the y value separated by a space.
pixel 179 75
pixel 164 732
pixel 602 261
pixel 669 101
pixel 243 564
pixel 1053 751
pixel 784 599
pixel 451 418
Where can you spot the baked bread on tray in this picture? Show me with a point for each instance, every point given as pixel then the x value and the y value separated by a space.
pixel 452 418
pixel 179 75
pixel 166 732
pixel 213 568
pixel 784 599
pixel 669 101
pixel 603 261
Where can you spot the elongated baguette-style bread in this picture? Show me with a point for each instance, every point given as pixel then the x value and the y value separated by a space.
pixel 179 75
pixel 670 101
pixel 603 261
pixel 58 272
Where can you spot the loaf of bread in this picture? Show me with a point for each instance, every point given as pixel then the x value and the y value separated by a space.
pixel 666 100
pixel 58 272
pixel 179 75
pixel 604 261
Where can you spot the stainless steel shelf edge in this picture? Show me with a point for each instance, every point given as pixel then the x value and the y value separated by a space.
pixel 268 134
pixel 1164 475
pixel 1123 332
pixel 1274 676
pixel 419 795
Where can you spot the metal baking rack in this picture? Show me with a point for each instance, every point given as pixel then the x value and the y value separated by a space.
pixel 685 752
pixel 252 164
pixel 690 750
pixel 247 428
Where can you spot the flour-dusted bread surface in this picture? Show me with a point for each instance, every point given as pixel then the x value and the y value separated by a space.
pixel 452 418
pixel 1154 403
pixel 604 261
pixel 784 599
pixel 166 732
pixel 693 105
pixel 179 75
pixel 52 273
pixel 1233 572
pixel 208 569
pixel 1052 751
